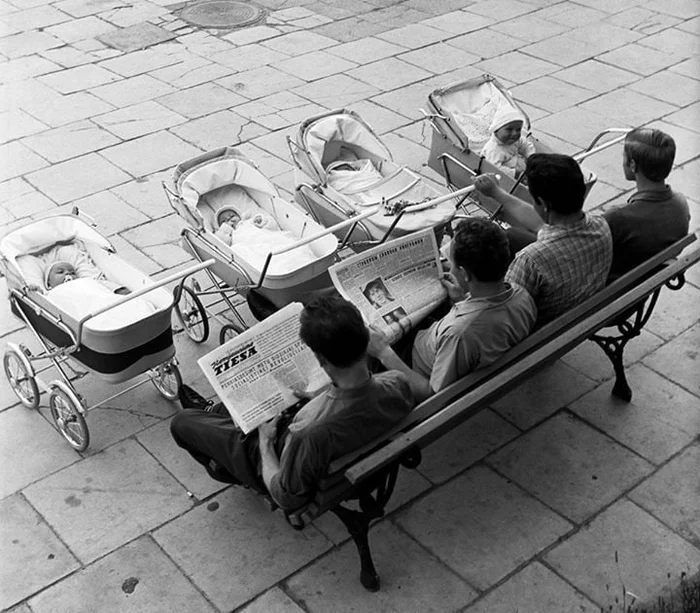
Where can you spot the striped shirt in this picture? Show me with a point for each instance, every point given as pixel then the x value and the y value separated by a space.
pixel 566 265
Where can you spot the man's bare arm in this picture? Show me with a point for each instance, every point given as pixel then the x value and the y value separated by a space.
pixel 517 210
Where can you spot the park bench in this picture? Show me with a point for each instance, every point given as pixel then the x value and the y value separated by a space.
pixel 368 475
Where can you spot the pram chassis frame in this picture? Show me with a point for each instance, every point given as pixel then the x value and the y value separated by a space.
pixel 70 417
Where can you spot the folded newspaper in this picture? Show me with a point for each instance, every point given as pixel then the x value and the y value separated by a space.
pixel 256 373
pixel 396 284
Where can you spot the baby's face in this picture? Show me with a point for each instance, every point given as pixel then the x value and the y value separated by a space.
pixel 229 217
pixel 510 133
pixel 60 273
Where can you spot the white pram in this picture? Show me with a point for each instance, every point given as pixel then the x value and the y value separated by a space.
pixel 275 251
pixel 460 115
pixel 115 336
pixel 343 169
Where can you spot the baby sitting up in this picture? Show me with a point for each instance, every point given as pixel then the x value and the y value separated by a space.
pixel 63 272
pixel 507 148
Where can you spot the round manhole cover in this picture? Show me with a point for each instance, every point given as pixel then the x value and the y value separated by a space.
pixel 221 14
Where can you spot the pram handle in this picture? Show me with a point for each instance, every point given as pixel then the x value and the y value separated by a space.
pixel 144 290
pixel 591 149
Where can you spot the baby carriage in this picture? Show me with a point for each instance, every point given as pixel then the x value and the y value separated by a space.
pixel 117 336
pixel 275 254
pixel 461 114
pixel 343 168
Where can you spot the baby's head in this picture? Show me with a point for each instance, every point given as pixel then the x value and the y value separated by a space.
pixel 507 125
pixel 228 215
pixel 59 272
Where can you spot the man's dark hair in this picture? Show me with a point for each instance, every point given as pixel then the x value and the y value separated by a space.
pixel 481 246
pixel 557 180
pixel 333 328
pixel 652 150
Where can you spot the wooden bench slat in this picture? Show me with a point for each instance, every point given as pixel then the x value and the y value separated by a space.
pixel 459 388
pixel 433 427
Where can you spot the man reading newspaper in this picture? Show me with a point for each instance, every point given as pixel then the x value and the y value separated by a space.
pixel 287 459
pixel 488 315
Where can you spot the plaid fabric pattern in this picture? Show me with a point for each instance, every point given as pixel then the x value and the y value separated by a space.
pixel 566 265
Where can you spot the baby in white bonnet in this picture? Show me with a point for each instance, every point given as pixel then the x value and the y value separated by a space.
pixel 507 148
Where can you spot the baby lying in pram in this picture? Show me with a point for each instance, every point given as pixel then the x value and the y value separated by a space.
pixel 76 286
pixel 256 234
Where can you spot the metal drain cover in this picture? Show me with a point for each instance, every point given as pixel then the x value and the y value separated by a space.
pixel 221 14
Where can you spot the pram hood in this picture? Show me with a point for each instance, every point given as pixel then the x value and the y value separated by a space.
pixel 343 126
pixel 470 99
pixel 39 236
pixel 215 169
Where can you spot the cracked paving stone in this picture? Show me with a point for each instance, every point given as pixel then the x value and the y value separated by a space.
pixel 136 37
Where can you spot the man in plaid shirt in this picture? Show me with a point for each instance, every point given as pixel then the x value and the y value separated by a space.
pixel 570 258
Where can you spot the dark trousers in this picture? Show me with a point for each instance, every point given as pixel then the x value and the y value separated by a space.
pixel 213 436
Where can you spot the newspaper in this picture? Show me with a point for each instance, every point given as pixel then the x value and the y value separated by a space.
pixel 395 284
pixel 256 373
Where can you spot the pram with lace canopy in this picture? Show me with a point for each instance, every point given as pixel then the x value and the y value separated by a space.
pixel 343 169
pixel 460 115
pixel 116 336
pixel 275 253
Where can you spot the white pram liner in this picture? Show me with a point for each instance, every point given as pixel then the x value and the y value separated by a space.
pixel 343 135
pixel 21 251
pixel 229 179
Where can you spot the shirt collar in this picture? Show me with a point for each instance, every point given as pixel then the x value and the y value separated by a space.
pixel 651 195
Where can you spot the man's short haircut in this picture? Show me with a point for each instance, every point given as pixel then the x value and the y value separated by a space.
pixel 557 180
pixel 652 150
pixel 481 247
pixel 333 328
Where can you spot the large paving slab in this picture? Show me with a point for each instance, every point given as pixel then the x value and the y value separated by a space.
pixel 672 494
pixel 623 548
pixel 122 488
pixel 33 556
pixel 543 394
pixel 137 577
pixel 233 548
pixel 570 466
pixel 535 589
pixel 482 526
pixel 412 579
pixel 661 419
pixel 25 434
pixel 679 360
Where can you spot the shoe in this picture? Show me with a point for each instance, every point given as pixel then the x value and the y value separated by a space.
pixel 219 473
pixel 190 399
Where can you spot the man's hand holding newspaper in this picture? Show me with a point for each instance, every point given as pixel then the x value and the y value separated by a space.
pixel 395 284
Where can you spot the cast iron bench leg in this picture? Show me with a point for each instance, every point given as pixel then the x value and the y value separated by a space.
pixel 357 524
pixel 614 348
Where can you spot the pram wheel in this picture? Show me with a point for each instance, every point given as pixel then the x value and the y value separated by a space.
pixel 190 311
pixel 228 331
pixel 21 377
pixel 69 420
pixel 167 380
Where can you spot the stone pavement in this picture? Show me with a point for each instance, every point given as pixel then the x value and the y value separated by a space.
pixel 556 499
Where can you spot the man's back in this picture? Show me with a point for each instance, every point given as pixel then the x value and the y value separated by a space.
pixel 567 264
pixel 333 424
pixel 475 333
pixel 649 222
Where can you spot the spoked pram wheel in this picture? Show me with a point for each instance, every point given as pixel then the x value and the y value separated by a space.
pixel 65 410
pixel 167 380
pixel 19 373
pixel 228 331
pixel 190 311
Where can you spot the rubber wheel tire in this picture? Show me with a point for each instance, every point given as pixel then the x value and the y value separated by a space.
pixel 193 316
pixel 18 376
pixel 162 381
pixel 227 332
pixel 69 420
